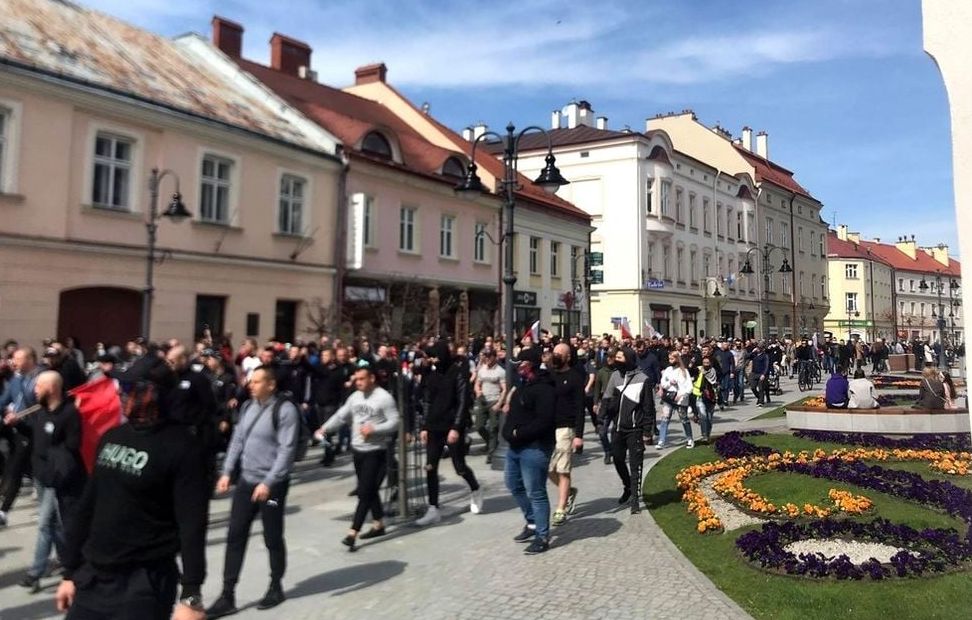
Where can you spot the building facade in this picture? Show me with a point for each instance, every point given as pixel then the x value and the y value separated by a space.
pixel 862 287
pixel 417 263
pixel 81 138
pixel 787 223
pixel 551 235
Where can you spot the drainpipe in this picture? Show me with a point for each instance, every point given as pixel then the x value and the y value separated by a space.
pixel 341 241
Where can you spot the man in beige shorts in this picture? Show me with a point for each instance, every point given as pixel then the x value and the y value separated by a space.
pixel 569 413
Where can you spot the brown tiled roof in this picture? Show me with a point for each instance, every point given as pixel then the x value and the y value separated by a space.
pixel 922 263
pixel 350 118
pixel 776 174
pixel 84 46
pixel 563 136
pixel 528 191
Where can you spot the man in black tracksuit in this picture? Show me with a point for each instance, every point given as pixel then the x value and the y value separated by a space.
pixel 629 400
pixel 447 401
pixel 145 503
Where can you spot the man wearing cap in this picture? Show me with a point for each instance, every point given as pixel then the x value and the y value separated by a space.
pixel 144 504
pixel 529 429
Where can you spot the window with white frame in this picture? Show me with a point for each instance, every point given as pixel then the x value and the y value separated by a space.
pixel 823 288
pixel 732 272
pixel 706 265
pixel 693 265
pixel 850 300
pixel 771 284
pixel 667 262
pixel 649 194
pixel 406 229
pixel 739 225
pixel 6 117
pixel 801 247
pixel 912 308
pixel 784 235
pixel 111 185
pixel 813 284
pixel 479 243
pixel 214 189
pixel 369 222
pixel 850 271
pixel 730 234
pixel 912 286
pixel 769 231
pixel 693 216
pixel 554 259
pixel 803 291
pixel 291 214
pixel 574 255
pixel 922 309
pixel 705 215
pixel 535 256
pixel 650 258
pixel 666 188
pixel 720 227
pixel 679 264
pixel 447 227
pixel 823 252
pixel 901 284
pixel 679 211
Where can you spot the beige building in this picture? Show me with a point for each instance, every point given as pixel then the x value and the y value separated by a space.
pixel 89 106
pixel 862 287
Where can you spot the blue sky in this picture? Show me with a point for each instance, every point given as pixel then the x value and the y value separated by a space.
pixel 851 102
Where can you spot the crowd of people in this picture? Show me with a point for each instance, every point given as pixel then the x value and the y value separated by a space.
pixel 208 417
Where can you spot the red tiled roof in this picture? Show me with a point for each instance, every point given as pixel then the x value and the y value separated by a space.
pixel 922 263
pixel 528 191
pixel 838 248
pixel 563 136
pixel 350 117
pixel 774 173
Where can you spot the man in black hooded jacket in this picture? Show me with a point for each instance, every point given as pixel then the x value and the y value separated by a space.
pixel 447 401
pixel 629 400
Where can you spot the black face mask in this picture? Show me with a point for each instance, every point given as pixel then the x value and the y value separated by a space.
pixel 44 401
pixel 558 361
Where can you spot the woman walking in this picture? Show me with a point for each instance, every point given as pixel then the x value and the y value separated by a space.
pixel 675 388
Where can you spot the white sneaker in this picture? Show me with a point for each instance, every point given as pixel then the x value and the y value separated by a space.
pixel 430 517
pixel 659 446
pixel 3 519
pixel 690 444
pixel 476 501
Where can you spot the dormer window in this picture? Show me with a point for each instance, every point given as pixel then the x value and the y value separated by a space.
pixel 454 168
pixel 377 145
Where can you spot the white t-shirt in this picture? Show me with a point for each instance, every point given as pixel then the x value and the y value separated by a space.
pixel 490 379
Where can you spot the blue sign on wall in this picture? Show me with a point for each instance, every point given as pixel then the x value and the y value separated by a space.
pixel 654 283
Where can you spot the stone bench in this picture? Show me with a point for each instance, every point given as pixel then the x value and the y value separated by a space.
pixel 885 420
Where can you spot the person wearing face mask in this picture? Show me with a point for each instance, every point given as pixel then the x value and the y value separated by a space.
pixel 569 383
pixel 628 400
pixel 530 432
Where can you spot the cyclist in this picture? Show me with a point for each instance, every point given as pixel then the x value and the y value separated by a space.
pixel 803 354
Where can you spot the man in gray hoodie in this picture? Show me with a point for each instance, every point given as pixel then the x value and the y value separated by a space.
pixel 262 448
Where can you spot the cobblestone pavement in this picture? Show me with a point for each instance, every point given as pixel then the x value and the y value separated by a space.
pixel 603 563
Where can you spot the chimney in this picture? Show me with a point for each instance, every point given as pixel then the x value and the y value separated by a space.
pixel 854 238
pixel 288 55
pixel 227 36
pixel 907 247
pixel 762 144
pixel 370 73
pixel 747 138
pixel 573 114
pixel 479 129
pixel 940 254
pixel 555 119
pixel 602 122
pixel 307 73
pixel 467 134
pixel 842 232
pixel 877 239
pixel 585 114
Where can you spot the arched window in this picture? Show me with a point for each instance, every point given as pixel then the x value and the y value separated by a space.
pixel 454 168
pixel 376 144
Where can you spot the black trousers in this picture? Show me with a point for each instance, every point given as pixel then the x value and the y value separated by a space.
pixel 242 514
pixel 15 467
pixel 433 454
pixel 628 444
pixel 370 468
pixel 142 593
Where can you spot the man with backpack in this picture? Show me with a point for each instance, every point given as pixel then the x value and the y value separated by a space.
pixel 262 448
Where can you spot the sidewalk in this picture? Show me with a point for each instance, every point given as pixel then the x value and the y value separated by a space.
pixel 603 562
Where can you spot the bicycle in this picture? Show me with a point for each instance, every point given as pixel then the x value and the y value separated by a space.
pixel 805 376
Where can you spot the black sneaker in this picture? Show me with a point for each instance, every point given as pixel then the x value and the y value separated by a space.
pixel 625 497
pixel 635 506
pixel 374 532
pixel 489 459
pixel 537 546
pixel 225 605
pixel 353 492
pixel 31 583
pixel 607 459
pixel 272 598
pixel 348 541
pixel 526 535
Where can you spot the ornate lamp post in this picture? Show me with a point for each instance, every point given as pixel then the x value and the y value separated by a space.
pixel 472 187
pixel 940 317
pixel 767 269
pixel 175 211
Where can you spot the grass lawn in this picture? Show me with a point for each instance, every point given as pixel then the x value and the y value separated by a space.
pixel 775 596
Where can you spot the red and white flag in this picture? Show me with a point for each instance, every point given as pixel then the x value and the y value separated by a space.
pixel 650 331
pixel 100 409
pixel 625 329
pixel 533 332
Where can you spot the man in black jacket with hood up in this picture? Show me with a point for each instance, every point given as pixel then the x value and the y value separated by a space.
pixel 629 400
pixel 447 401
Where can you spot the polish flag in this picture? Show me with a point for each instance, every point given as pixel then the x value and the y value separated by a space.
pixel 100 410
pixel 650 330
pixel 625 329
pixel 533 332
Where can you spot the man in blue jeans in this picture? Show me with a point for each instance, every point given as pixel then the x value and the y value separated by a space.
pixel 530 432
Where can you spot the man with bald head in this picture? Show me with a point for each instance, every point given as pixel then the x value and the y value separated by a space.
pixel 56 464
pixel 569 385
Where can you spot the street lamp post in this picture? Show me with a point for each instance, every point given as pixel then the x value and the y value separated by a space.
pixel 767 269
pixel 472 187
pixel 175 211
pixel 940 317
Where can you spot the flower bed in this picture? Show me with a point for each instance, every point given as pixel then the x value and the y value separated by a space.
pixel 927 551
pixel 942 441
pixel 893 382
